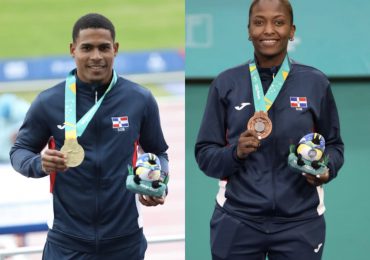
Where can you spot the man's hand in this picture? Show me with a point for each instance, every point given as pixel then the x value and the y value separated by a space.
pixel 53 161
pixel 150 201
pixel 248 142
pixel 317 180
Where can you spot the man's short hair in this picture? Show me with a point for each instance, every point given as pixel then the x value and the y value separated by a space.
pixel 93 20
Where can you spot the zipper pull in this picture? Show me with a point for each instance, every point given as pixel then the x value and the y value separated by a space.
pixel 96 97
pixel 274 71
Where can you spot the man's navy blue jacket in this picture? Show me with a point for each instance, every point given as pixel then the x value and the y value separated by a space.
pixel 92 210
pixel 263 185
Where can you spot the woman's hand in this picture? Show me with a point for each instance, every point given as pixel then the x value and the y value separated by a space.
pixel 248 142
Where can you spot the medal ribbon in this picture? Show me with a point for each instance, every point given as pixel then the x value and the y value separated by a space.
pixel 73 129
pixel 261 102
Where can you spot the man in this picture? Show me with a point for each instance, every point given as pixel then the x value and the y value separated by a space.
pixel 98 120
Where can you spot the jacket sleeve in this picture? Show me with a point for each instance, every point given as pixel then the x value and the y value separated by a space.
pixel 215 157
pixel 151 135
pixel 328 126
pixel 31 139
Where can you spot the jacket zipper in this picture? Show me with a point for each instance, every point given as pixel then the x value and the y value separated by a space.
pixel 97 181
pixel 273 172
pixel 273 164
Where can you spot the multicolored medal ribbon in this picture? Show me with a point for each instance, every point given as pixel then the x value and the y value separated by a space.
pixel 260 122
pixel 75 153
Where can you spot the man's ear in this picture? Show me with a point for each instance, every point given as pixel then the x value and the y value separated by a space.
pixel 72 48
pixel 115 48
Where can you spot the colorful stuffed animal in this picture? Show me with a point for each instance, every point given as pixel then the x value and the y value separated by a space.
pixel 148 168
pixel 309 155
pixel 310 150
pixel 146 176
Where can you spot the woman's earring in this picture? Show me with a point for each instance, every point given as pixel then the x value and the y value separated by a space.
pixel 291 39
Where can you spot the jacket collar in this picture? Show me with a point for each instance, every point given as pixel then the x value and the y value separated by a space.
pixel 90 88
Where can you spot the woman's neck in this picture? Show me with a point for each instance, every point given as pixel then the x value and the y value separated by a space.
pixel 269 62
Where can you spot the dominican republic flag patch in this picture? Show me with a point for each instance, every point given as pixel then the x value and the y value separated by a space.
pixel 298 102
pixel 120 123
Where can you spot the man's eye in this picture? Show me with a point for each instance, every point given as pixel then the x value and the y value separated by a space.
pixel 104 48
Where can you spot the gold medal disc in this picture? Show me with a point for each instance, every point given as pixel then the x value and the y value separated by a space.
pixel 75 153
pixel 261 123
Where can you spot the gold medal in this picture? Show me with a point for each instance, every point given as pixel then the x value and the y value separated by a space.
pixel 75 153
pixel 261 123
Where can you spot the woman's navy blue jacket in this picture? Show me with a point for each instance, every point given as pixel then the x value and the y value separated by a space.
pixel 263 186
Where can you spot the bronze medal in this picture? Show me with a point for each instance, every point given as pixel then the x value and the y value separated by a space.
pixel 75 153
pixel 261 123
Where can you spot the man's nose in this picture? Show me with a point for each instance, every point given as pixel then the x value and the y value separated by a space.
pixel 96 55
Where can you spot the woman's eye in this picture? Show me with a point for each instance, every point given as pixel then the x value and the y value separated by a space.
pixel 279 22
pixel 258 22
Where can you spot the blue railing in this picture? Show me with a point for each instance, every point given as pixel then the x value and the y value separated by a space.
pixel 56 67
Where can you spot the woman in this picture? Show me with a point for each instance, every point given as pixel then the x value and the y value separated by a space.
pixel 253 114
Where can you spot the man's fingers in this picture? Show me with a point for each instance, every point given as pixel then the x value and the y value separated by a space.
pixel 53 160
pixel 143 201
pixel 50 167
pixel 158 200
pixel 54 163
pixel 151 201
pixel 53 153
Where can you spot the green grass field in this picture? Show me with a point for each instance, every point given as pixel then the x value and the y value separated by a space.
pixel 43 27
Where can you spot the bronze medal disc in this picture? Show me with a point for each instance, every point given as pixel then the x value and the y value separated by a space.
pixel 75 153
pixel 261 123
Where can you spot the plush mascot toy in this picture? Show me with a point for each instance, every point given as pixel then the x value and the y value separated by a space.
pixel 309 155
pixel 146 177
